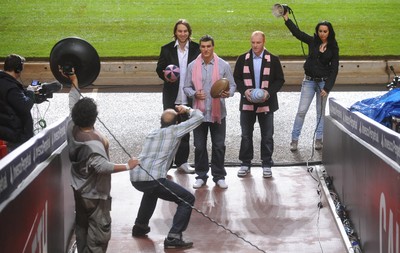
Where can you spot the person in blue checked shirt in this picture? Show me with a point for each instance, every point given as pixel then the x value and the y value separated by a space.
pixel 150 178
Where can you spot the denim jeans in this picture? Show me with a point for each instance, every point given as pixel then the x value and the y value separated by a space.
pixel 266 122
pixel 308 90
pixel 152 191
pixel 218 132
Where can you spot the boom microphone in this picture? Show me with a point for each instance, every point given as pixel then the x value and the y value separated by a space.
pixel 278 10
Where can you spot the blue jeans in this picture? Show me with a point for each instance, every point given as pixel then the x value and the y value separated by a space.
pixel 308 90
pixel 266 122
pixel 218 132
pixel 152 191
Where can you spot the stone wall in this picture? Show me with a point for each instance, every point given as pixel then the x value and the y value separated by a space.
pixel 132 73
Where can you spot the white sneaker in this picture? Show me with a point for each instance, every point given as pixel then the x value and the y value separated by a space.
pixel 243 171
pixel 185 168
pixel 222 184
pixel 199 183
pixel 267 172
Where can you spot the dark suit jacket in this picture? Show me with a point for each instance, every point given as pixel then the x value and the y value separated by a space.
pixel 276 80
pixel 169 55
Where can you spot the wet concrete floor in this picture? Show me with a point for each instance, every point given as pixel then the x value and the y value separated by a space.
pixel 280 214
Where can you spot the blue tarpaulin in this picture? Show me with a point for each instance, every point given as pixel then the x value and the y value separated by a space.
pixel 381 108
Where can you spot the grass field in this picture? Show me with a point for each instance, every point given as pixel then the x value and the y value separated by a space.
pixel 137 29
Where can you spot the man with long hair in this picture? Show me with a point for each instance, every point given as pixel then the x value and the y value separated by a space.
pixel 180 53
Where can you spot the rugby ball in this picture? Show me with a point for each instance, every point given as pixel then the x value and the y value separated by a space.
pixel 172 72
pixel 218 87
pixel 257 95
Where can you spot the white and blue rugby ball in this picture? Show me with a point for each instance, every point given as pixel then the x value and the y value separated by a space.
pixel 257 95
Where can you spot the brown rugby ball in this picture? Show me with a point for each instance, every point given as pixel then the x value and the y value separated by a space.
pixel 218 87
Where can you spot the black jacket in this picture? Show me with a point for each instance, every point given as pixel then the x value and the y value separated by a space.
pixel 276 81
pixel 323 65
pixel 169 55
pixel 16 123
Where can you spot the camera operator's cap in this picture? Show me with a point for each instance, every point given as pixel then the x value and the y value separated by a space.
pixel 218 87
pixel 79 54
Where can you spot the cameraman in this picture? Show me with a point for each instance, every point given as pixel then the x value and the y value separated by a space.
pixel 16 123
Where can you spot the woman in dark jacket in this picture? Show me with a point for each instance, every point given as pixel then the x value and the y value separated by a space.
pixel 320 71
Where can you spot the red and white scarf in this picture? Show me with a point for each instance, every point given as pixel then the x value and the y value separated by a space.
pixel 264 80
pixel 198 85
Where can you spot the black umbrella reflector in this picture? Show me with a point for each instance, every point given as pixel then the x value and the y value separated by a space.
pixel 75 53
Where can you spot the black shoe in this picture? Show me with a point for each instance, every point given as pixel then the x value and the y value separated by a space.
pixel 138 231
pixel 173 243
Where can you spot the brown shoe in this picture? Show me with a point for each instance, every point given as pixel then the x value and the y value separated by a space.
pixel 293 145
pixel 318 144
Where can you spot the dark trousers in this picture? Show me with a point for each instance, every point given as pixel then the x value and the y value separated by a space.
pixel 266 123
pixel 152 191
pixel 218 132
pixel 92 224
pixel 182 154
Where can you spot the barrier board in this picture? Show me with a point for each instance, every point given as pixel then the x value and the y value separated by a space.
pixel 36 201
pixel 362 157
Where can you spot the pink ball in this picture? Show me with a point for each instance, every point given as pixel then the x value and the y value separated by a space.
pixel 172 72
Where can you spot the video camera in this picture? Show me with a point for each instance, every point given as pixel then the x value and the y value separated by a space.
pixel 43 91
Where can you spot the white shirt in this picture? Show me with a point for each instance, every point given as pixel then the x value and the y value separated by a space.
pixel 181 98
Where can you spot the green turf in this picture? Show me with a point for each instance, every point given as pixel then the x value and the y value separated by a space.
pixel 137 29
